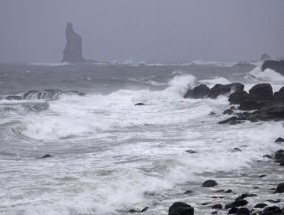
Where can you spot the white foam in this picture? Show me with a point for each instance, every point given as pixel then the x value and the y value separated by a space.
pixel 50 64
pixel 267 75
pixel 215 80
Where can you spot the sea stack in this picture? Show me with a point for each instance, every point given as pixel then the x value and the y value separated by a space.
pixel 73 50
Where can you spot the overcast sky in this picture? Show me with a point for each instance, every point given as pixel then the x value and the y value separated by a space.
pixel 143 30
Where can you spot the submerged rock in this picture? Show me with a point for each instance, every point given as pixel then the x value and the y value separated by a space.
pixel 279 140
pixel 73 50
pixel 46 156
pixel 181 208
pixel 198 92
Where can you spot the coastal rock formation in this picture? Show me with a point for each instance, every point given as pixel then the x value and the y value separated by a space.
pixel 73 50
pixel 202 91
pixel 265 57
pixel 277 66
pixel 49 94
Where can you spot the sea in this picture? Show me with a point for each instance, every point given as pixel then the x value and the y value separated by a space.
pixel 109 156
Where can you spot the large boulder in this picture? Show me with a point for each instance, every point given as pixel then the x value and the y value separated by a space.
pixel 220 89
pixel 73 50
pixel 262 92
pixel 198 92
pixel 277 66
pixel 181 208
pixel 239 96
pixel 273 110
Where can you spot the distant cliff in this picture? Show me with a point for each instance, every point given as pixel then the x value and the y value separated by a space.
pixel 73 50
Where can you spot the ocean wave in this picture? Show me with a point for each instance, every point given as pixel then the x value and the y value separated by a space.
pixel 267 75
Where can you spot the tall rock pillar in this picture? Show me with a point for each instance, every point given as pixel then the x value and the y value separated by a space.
pixel 73 50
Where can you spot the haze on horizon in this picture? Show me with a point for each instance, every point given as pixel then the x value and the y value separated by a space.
pixel 146 30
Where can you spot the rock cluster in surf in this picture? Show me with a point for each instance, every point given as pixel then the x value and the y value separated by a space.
pixel 73 50
pixel 49 94
pixel 260 99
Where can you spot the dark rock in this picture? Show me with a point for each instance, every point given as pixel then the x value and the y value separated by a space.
pixel 46 156
pixel 198 92
pixel 262 92
pixel 229 191
pixel 220 89
pixel 144 209
pixel 250 105
pixel 236 150
pixel 181 208
pixel 277 66
pixel 260 205
pixel 73 50
pixel 217 206
pixel 267 156
pixel 188 192
pixel 239 97
pixel 243 211
pixel 190 151
pixel 271 111
pixel 228 112
pixel 214 212
pixel 209 183
pixel 139 104
pixel 220 191
pixel 240 203
pixel 232 121
pixel 279 156
pixel 205 203
pixel 273 201
pixel 280 188
pixel 262 176
pixel 245 195
pixel 279 140
pixel 279 96
pixel 233 210
pixel 273 210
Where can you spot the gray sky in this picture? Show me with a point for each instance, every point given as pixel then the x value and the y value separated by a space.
pixel 143 30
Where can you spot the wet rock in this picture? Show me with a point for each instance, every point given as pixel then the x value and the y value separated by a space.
pixel 139 104
pixel 245 195
pixel 237 203
pixel 250 105
pixel 214 212
pixel 46 156
pixel 138 210
pixel 273 201
pixel 260 205
pixel 280 188
pixel 271 111
pixel 231 121
pixel 243 211
pixel 262 92
pixel 73 50
pixel 188 192
pixel 236 150
pixel 279 140
pixel 198 92
pixel 239 97
pixel 229 191
pixel 262 176
pixel 233 210
pixel 220 89
pixel 279 156
pixel 277 66
pixel 209 183
pixel 279 96
pixel 228 112
pixel 267 156
pixel 273 210
pixel 190 151
pixel 180 208
pixel 217 206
